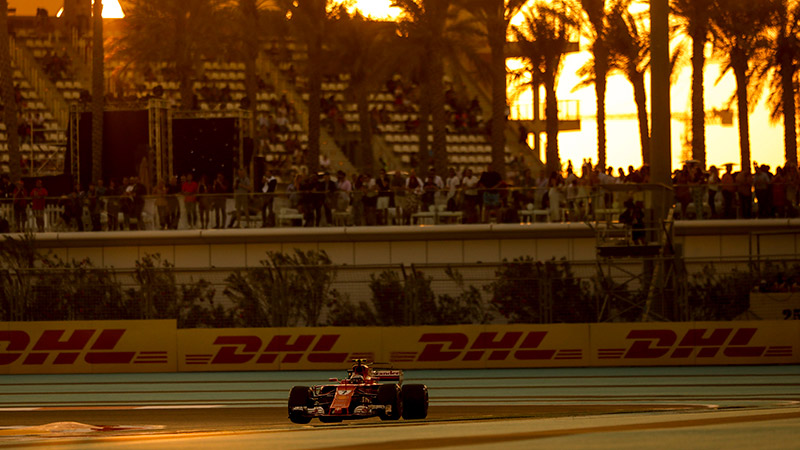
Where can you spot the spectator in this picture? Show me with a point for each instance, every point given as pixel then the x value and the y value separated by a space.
pixel 139 193
pixel 93 204
pixel 778 194
pixel 113 205
pixel 370 199
pixel 790 177
pixel 173 205
pixel 744 187
pixel 76 203
pixel 761 181
pixel 160 192
pixel 413 192
pixel 324 162
pixel 471 196
pixel 203 201
pixel 38 200
pixel 697 179
pixel 20 196
pixel 126 201
pixel 219 189
pixel 383 184
pixel 324 189
pixel 713 188
pixel 242 186
pixel 633 217
pixel 430 189
pixel 728 184
pixel 344 188
pixel 189 191
pixel 268 186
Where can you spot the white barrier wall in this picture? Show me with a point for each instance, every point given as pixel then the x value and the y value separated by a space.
pixel 410 244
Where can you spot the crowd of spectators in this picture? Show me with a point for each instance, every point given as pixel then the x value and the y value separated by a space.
pixel 395 197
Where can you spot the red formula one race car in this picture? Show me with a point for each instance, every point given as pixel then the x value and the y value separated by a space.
pixel 364 393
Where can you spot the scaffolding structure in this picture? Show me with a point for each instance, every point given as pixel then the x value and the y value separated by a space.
pixel 639 273
pixel 160 139
pixel 160 136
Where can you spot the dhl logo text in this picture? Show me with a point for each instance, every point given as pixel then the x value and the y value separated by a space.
pixel 281 348
pixel 92 346
pixel 699 342
pixel 442 347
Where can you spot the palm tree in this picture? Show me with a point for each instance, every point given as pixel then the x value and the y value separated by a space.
pixel 737 28
pixel 309 20
pixel 249 19
pixel 424 23
pixel 495 17
pixel 782 55
pixel 693 18
pixel 596 69
pixel 7 95
pixel 180 33
pixel 543 38
pixel 360 48
pixel 98 93
pixel 630 52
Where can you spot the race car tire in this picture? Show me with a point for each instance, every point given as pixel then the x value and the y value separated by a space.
pixel 389 395
pixel 327 419
pixel 415 401
pixel 299 396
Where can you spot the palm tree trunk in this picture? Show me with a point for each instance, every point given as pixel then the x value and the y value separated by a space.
pixel 600 74
pixel 423 158
pixel 98 91
pixel 183 65
pixel 739 63
pixel 787 72
pixel 497 40
pixel 438 115
pixel 250 16
pixel 698 102
pixel 365 122
pixel 640 97
pixel 314 101
pixel 7 91
pixel 551 125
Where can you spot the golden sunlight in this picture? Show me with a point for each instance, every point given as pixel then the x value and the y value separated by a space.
pixel 111 10
pixel 377 9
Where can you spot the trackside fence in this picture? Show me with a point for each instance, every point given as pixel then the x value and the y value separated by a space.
pixel 306 289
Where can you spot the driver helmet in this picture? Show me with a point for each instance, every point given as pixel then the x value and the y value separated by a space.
pixel 356 378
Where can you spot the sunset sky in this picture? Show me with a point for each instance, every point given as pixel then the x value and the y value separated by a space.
pixel 722 142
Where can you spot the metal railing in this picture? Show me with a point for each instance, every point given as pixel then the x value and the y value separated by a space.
pixel 600 203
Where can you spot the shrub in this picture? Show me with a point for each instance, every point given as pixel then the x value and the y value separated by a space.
pixel 287 290
pixel 714 296
pixel 529 291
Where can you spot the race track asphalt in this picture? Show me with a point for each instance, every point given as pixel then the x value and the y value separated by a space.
pixel 205 410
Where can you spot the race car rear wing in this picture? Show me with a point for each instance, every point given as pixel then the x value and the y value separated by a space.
pixel 388 375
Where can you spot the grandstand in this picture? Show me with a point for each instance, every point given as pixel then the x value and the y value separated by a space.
pixel 53 68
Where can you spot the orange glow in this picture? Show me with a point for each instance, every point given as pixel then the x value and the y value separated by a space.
pixel 111 10
pixel 377 9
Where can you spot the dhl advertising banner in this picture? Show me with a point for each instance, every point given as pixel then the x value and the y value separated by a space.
pixel 486 346
pixel 157 346
pixel 276 348
pixel 492 346
pixel 456 346
pixel 695 343
pixel 88 346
